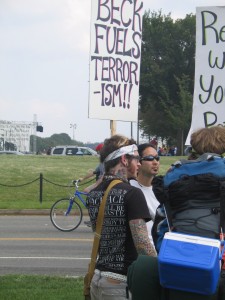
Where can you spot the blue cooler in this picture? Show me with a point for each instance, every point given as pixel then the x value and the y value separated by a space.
pixel 189 263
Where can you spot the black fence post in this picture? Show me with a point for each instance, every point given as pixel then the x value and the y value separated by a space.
pixel 41 186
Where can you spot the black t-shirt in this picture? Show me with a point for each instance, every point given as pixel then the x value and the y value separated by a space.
pixel 124 203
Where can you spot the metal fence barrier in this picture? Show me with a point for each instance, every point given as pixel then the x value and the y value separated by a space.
pixel 41 179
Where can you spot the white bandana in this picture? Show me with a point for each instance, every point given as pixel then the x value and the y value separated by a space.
pixel 121 151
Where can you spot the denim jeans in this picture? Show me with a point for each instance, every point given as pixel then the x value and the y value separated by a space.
pixel 103 288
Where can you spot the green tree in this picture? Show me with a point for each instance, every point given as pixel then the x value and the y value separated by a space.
pixel 52 141
pixel 167 76
pixel 179 115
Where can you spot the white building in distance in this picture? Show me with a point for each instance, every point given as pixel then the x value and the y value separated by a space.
pixel 17 133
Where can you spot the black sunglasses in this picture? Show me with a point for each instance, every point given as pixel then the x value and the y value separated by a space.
pixel 150 158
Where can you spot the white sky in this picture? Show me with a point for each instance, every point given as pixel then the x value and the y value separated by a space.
pixel 44 63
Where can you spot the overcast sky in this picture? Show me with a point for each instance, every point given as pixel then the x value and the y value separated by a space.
pixel 44 63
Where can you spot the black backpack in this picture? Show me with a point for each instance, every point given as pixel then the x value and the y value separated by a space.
pixel 192 198
pixel 192 201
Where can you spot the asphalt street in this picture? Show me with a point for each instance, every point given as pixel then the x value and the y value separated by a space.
pixel 30 244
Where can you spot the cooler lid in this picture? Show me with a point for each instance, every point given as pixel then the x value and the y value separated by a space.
pixel 192 239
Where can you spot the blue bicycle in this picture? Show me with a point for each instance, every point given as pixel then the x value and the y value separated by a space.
pixel 66 214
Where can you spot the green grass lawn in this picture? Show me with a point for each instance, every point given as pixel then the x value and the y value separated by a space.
pixel 24 287
pixel 20 184
pixel 18 188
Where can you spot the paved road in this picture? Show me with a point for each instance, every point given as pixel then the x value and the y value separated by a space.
pixel 31 245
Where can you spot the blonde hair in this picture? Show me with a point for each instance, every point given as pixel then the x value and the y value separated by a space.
pixel 210 140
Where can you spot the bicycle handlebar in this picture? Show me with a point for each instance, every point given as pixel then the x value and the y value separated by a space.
pixel 75 182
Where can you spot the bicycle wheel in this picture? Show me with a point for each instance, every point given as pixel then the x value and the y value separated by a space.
pixel 66 214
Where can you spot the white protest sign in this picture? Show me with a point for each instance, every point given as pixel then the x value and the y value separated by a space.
pixel 209 92
pixel 116 29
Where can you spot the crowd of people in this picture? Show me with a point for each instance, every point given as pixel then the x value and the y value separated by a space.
pixel 167 151
pixel 163 150
pixel 131 208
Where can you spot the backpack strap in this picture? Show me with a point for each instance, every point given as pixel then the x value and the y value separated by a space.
pixel 97 237
pixel 222 224
pixel 167 208
pixel 222 204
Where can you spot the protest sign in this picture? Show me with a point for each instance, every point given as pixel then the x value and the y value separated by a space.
pixel 209 91
pixel 116 29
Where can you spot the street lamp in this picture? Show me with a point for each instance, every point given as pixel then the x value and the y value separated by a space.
pixel 74 126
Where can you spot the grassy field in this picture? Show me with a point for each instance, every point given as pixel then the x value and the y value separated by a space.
pixel 24 287
pixel 17 189
pixel 20 184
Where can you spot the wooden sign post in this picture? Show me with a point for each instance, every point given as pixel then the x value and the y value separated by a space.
pixel 113 127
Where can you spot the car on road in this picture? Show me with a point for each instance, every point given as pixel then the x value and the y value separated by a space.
pixel 73 150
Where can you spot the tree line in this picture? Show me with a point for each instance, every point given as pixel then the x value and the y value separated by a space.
pixel 167 77
pixel 43 145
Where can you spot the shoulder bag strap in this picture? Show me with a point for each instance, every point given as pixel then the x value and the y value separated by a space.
pixel 99 228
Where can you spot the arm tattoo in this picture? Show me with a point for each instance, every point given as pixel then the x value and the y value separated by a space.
pixel 140 237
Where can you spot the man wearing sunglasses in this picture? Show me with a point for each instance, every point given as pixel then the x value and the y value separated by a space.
pixel 149 168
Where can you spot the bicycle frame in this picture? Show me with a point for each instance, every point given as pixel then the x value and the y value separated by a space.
pixel 78 194
pixel 66 213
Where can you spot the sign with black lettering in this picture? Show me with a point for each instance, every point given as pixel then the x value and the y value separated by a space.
pixel 116 30
pixel 209 92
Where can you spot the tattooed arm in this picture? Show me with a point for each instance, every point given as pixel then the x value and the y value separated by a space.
pixel 140 237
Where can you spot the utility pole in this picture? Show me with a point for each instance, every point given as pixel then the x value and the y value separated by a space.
pixel 131 129
pixel 35 134
pixel 73 126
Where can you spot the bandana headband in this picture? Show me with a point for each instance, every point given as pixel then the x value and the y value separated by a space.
pixel 121 151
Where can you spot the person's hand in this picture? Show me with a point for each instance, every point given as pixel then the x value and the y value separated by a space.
pixel 86 190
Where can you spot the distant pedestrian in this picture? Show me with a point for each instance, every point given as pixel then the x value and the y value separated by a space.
pixel 98 172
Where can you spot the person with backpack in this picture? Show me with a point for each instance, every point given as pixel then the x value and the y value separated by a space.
pixel 192 201
pixel 192 190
